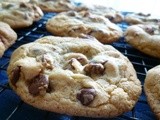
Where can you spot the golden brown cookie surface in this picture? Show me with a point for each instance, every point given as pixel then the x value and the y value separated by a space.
pixel 7 37
pixel 55 5
pixel 152 88
pixel 145 38
pixel 108 12
pixel 19 15
pixel 74 76
pixel 77 24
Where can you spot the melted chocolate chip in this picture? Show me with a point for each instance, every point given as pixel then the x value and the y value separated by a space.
pixel 39 85
pixel 9 6
pixel 71 13
pixel 23 5
pixel 86 96
pixel 149 30
pixel 111 18
pixel 145 15
pixel 15 75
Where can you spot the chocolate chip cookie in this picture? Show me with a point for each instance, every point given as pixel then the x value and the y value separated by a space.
pixel 74 76
pixel 19 15
pixel 55 5
pixel 14 0
pixel 145 38
pixel 141 18
pixel 108 12
pixel 152 89
pixel 77 24
pixel 7 37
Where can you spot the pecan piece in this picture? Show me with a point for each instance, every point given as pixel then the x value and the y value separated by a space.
pixel 75 65
pixel 96 68
pixel 39 85
pixel 15 75
pixel 86 95
pixel 45 59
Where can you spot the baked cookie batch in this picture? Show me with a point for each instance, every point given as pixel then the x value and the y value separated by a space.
pixel 75 72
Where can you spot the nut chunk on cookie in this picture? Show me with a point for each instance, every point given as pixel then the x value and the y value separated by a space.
pixel 152 89
pixel 19 14
pixel 7 37
pixel 74 76
pixel 78 24
pixel 145 38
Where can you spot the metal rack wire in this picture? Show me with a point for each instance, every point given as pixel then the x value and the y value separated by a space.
pixel 12 108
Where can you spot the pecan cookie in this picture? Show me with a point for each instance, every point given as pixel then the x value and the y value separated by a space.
pixel 74 76
pixel 77 24
pixel 55 5
pixel 108 12
pixel 145 38
pixel 7 37
pixel 152 89
pixel 19 15
pixel 140 18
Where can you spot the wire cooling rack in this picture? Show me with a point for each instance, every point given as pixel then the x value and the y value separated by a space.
pixel 13 108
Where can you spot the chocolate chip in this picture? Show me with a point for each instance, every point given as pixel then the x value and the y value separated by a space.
pixel 145 15
pixel 86 95
pixel 23 5
pixel 111 18
pixel 149 30
pixel 71 13
pixel 39 85
pixel 9 6
pixel 15 75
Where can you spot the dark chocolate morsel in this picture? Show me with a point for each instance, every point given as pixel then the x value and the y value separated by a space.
pixel 86 95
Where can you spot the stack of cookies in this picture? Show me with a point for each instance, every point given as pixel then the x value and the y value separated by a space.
pixel 74 71
pixel 15 15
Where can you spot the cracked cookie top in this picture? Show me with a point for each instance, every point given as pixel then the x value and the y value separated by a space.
pixel 74 76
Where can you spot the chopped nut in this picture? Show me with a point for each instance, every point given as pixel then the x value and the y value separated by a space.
pixel 39 85
pixel 45 59
pixel 86 95
pixel 75 65
pixel 96 68
pixel 82 60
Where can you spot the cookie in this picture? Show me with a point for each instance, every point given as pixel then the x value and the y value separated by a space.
pixel 19 15
pixel 55 5
pixel 7 37
pixel 140 18
pixel 108 12
pixel 77 24
pixel 152 88
pixel 145 38
pixel 74 76
pixel 14 0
